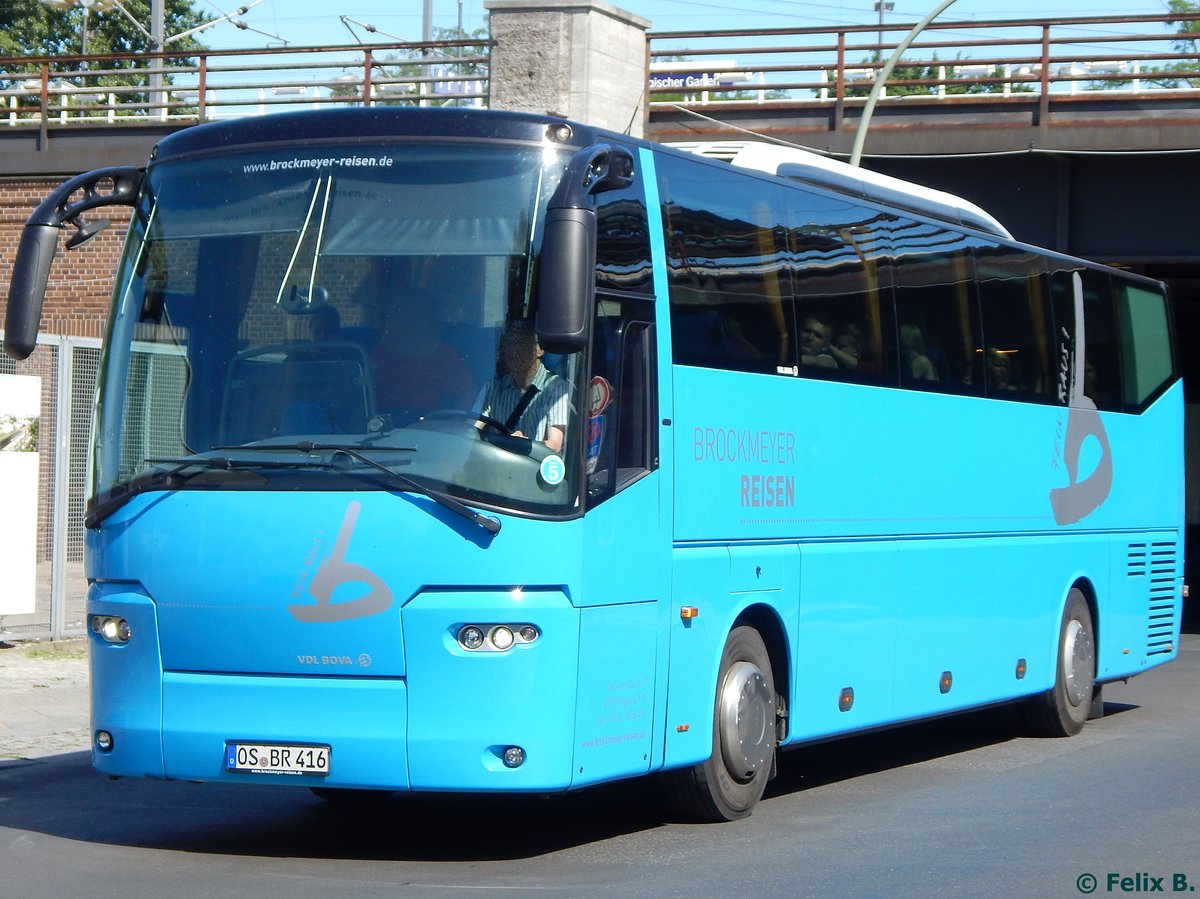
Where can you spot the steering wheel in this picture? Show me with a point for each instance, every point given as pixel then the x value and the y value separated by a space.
pixel 494 423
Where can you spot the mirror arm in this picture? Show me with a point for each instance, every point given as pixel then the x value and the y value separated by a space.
pixel 567 264
pixel 39 243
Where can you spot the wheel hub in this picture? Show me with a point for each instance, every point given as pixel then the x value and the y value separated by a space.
pixel 1078 663
pixel 746 717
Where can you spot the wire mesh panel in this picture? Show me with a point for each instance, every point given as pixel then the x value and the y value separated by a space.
pixel 84 364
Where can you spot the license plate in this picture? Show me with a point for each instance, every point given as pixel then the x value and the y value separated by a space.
pixel 276 758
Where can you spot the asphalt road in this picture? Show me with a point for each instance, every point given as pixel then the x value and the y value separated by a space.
pixel 960 807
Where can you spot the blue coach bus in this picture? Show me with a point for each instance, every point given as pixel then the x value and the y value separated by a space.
pixel 818 452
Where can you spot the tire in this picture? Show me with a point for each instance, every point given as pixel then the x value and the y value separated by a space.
pixel 1063 710
pixel 729 784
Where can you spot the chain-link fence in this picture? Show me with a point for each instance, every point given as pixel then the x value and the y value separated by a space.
pixel 67 368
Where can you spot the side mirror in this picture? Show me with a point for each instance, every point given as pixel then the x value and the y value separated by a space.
pixel 567 264
pixel 39 243
pixel 565 279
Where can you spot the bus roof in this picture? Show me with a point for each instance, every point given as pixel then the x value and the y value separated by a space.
pixel 813 168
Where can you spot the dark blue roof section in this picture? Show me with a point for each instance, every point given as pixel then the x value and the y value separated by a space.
pixel 372 122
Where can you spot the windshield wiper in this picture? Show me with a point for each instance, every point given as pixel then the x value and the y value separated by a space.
pixel 355 451
pixel 155 480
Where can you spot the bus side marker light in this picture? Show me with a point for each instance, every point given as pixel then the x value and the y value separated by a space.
pixel 1020 669
pixel 846 699
pixel 687 613
pixel 682 728
pixel 104 741
pixel 946 682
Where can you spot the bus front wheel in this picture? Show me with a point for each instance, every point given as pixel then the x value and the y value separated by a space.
pixel 729 784
pixel 1063 710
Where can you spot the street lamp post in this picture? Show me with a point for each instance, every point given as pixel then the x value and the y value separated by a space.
pixel 860 135
pixel 882 6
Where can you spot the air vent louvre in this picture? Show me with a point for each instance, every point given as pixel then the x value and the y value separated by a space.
pixel 1162 570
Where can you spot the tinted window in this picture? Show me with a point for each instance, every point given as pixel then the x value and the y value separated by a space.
pixel 1146 342
pixel 727 268
pixel 1018 327
pixel 936 309
pixel 623 241
pixel 843 289
pixel 1094 360
pixel 621 432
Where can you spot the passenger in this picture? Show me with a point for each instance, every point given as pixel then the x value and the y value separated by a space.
pixel 525 397
pixel 415 372
pixel 325 329
pixel 847 347
pixel 999 371
pixel 325 324
pixel 816 337
pixel 916 365
pixel 1092 389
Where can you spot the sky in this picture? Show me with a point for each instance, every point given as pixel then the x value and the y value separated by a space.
pixel 317 22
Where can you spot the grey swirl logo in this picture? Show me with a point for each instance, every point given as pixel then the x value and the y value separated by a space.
pixel 364 660
pixel 335 571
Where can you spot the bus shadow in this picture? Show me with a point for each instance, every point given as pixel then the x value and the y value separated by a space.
pixel 63 797
pixel 845 758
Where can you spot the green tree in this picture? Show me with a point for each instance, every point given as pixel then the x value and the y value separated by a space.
pixel 34 28
pixel 394 86
pixel 928 73
pixel 1187 42
pixel 1188 29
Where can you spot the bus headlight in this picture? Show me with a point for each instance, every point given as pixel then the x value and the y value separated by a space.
pixel 496 637
pixel 470 637
pixel 111 628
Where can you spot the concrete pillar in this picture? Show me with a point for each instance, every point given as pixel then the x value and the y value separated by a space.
pixel 582 59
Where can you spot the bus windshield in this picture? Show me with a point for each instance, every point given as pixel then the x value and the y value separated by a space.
pixel 315 318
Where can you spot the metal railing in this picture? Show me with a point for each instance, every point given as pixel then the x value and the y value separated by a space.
pixel 199 86
pixel 997 60
pixel 986 60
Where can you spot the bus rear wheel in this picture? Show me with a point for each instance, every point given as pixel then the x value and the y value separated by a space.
pixel 1063 710
pixel 729 784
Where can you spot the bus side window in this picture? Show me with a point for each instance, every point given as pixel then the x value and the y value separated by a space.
pixel 1095 360
pixel 936 309
pixel 728 269
pixel 620 432
pixel 1147 357
pixel 842 282
pixel 1019 358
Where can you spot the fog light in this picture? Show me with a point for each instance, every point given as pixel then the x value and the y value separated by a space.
pixel 470 637
pixel 514 757
pixel 502 637
pixel 104 741
pixel 112 628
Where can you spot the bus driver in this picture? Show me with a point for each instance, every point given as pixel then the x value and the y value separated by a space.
pixel 526 397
